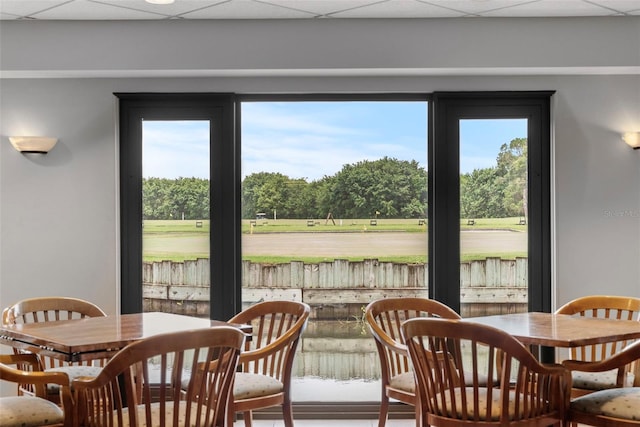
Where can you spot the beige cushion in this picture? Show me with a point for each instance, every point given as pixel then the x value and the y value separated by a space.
pixel 155 411
pixel 73 372
pixel 599 380
pixel 404 382
pixel 247 385
pixel 28 411
pixel 616 402
pixel 496 407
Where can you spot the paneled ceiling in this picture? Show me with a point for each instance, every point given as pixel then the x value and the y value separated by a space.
pixel 308 9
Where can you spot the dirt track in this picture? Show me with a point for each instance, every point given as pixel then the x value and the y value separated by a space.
pixel 374 243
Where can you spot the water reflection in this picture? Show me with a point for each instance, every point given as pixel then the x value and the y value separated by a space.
pixel 337 360
pixel 342 350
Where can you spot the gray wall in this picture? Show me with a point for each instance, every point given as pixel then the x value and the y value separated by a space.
pixel 59 212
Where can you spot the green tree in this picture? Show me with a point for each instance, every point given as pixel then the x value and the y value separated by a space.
pixel 500 191
pixel 165 198
pixel 268 192
pixel 387 187
pixel 480 194
pixel 512 162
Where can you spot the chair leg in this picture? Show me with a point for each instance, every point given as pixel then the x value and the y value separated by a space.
pixel 287 413
pixel 231 417
pixel 384 410
pixel 248 418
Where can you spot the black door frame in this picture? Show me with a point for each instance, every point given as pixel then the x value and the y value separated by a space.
pixel 448 108
pixel 218 109
pixel 445 110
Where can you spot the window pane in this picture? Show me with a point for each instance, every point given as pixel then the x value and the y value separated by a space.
pixel 493 216
pixel 175 204
pixel 334 214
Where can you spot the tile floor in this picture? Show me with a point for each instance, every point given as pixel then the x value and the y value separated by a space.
pixel 336 423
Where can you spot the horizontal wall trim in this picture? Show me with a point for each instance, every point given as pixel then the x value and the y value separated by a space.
pixel 323 72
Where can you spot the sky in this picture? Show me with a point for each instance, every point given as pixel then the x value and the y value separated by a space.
pixel 310 140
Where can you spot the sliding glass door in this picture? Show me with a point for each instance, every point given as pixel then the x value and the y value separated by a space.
pixel 490 202
pixel 334 214
pixel 335 200
pixel 179 239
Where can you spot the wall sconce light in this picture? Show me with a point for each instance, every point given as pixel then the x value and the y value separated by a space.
pixel 633 139
pixel 33 144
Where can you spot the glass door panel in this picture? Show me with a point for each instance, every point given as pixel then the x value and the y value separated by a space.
pixel 175 211
pixel 334 214
pixel 493 216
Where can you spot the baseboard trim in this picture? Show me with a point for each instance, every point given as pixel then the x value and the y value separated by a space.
pixel 337 410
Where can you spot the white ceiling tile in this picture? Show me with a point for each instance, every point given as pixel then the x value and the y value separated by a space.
pixel 87 10
pixel 22 8
pixel 321 7
pixel 247 9
pixel 625 6
pixel 479 7
pixel 306 9
pixel 174 9
pixel 398 9
pixel 548 8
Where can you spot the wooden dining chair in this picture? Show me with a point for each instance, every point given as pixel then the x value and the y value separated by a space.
pixel 48 309
pixel 264 377
pixel 174 379
pixel 36 410
pixel 444 351
pixel 609 307
pixel 614 407
pixel 384 317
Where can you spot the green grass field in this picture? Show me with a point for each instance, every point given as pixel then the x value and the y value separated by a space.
pixel 189 227
pixel 177 240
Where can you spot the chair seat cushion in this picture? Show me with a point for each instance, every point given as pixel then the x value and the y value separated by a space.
pixel 75 371
pixel 28 411
pixel 496 406
pixel 621 403
pixel 247 385
pixel 598 380
pixel 404 382
pixel 155 416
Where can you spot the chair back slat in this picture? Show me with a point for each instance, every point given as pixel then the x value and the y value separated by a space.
pixel 50 309
pixel 605 307
pixel 385 317
pixel 173 379
pixel 277 328
pixel 447 353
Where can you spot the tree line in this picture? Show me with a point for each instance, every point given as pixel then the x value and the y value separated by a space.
pixel 383 188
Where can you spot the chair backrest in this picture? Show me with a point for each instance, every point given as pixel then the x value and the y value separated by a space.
pixel 601 306
pixel 629 354
pixel 277 328
pixel 173 379
pixel 443 351
pixel 46 309
pixel 25 369
pixel 593 414
pixel 384 318
pixel 49 309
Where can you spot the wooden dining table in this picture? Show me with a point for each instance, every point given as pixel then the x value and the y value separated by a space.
pixel 98 337
pixel 549 330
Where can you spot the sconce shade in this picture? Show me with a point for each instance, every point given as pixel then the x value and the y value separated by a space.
pixel 633 139
pixel 33 144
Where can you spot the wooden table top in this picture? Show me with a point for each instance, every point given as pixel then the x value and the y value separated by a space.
pixel 561 330
pixel 97 337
